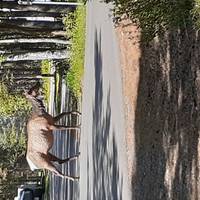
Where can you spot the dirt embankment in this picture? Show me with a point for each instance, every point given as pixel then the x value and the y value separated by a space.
pixel 128 37
pixel 161 85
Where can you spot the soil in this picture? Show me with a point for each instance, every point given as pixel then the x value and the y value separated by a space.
pixel 128 37
pixel 161 88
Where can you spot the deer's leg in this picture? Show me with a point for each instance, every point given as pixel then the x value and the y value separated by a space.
pixel 62 127
pixel 54 158
pixel 45 163
pixel 69 159
pixel 58 117
pixel 52 168
pixel 60 161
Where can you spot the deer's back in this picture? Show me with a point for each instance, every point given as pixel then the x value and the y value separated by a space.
pixel 40 137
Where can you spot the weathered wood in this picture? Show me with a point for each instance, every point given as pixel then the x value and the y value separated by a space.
pixel 35 40
pixel 26 64
pixel 29 14
pixel 22 29
pixel 58 3
pixel 23 71
pixel 22 50
pixel 13 32
pixel 38 8
pixel 27 79
pixel 32 76
pixel 32 24
pixel 59 54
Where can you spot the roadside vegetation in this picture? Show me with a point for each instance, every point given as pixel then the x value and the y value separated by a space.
pixel 75 32
pixel 196 13
pixel 12 146
pixel 2 58
pixel 46 69
pixel 11 103
pixel 156 16
pixel 46 184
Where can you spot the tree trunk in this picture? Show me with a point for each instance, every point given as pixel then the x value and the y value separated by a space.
pixel 29 14
pixel 21 49
pixel 32 24
pixel 35 40
pixel 32 76
pixel 32 30
pixel 11 32
pixel 26 64
pixel 60 54
pixel 31 45
pixel 38 8
pixel 23 71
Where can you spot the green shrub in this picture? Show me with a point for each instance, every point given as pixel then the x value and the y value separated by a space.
pixel 12 146
pixel 196 13
pixel 2 58
pixel 154 16
pixel 46 69
pixel 11 104
pixel 69 23
pixel 75 30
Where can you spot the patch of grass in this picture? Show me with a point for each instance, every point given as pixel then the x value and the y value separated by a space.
pixel 58 86
pixel 75 30
pixel 196 13
pixel 2 58
pixel 58 79
pixel 46 184
pixel 10 103
pixel 46 69
pixel 13 146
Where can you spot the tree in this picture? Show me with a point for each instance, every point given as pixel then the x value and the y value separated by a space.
pixel 37 8
pixel 154 16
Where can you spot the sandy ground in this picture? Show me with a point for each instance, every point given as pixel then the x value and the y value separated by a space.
pixel 128 36
pixel 161 86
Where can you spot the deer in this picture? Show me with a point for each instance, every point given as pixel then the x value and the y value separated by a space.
pixel 40 127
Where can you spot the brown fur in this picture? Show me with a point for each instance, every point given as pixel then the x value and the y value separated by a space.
pixel 40 128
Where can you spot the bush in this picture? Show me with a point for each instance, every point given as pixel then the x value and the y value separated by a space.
pixel 11 104
pixel 196 13
pixel 12 146
pixel 2 58
pixel 46 69
pixel 75 30
pixel 154 16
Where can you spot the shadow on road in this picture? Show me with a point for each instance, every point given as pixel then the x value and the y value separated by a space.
pixel 106 177
pixel 167 118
